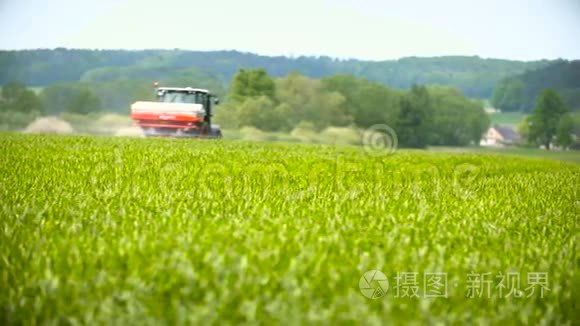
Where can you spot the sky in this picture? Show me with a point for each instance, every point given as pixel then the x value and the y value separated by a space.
pixel 361 29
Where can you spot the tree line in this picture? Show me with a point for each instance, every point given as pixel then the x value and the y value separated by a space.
pixel 18 106
pixel 519 93
pixel 434 115
pixel 473 76
pixel 421 116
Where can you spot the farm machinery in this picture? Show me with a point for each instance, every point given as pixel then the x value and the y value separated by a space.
pixel 178 112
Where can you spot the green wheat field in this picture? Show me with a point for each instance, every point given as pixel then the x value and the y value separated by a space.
pixel 103 230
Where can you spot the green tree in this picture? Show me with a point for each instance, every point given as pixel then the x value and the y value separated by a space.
pixel 55 98
pixel 366 103
pixel 576 127
pixel 413 122
pixel 259 112
pixel 350 87
pixel 479 122
pixel 12 90
pixel 326 109
pixel 546 117
pixel 508 95
pixel 296 91
pixel 456 119
pixel 226 116
pixel 523 128
pixel 17 98
pixel 84 102
pixel 28 102
pixel 564 131
pixel 375 104
pixel 281 114
pixel 308 100
pixel 252 83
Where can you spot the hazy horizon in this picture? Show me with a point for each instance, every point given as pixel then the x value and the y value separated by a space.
pixel 292 56
pixel 342 29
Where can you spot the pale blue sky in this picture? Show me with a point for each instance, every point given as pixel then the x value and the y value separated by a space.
pixel 364 29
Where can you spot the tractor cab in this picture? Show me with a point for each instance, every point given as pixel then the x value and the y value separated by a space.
pixel 187 95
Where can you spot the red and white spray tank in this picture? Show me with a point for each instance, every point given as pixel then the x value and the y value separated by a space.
pixel 178 112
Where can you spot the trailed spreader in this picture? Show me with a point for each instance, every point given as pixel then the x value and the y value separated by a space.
pixel 178 112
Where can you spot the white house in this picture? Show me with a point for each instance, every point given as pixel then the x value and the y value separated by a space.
pixel 498 135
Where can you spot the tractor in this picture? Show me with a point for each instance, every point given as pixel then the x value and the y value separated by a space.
pixel 182 112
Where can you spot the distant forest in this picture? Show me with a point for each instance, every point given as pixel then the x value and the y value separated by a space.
pixel 518 93
pixel 118 77
pixel 473 76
